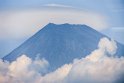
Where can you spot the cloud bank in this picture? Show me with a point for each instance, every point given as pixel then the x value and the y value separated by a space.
pixel 101 66
pixel 23 70
pixel 22 23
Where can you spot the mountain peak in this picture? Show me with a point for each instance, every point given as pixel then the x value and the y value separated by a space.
pixel 59 44
pixel 53 24
pixel 66 25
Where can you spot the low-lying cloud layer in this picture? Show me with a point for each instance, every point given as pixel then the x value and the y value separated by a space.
pixel 23 70
pixel 101 66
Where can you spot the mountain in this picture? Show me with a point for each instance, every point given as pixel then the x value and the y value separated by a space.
pixel 60 44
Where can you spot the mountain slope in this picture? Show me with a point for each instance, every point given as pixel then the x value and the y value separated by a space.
pixel 60 44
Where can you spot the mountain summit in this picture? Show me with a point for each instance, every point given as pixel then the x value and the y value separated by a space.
pixel 60 44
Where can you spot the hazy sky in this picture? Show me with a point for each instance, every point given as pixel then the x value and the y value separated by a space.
pixel 19 19
pixel 112 8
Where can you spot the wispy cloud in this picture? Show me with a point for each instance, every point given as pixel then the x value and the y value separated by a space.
pixel 57 5
pixel 23 23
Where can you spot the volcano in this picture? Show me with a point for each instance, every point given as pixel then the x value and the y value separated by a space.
pixel 60 44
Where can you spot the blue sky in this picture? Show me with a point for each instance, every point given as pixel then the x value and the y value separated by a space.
pixel 105 12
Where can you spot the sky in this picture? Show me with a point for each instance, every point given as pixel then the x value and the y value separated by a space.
pixel 20 19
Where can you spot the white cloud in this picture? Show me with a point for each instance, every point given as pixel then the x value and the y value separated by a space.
pixel 23 23
pixel 101 66
pixel 97 67
pixel 57 5
pixel 109 46
pixel 23 70
pixel 57 76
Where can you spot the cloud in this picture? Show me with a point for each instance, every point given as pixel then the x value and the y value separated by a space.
pixel 58 75
pixel 57 5
pixel 24 23
pixel 23 70
pixel 101 66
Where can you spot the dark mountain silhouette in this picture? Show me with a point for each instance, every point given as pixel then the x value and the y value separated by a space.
pixel 60 44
